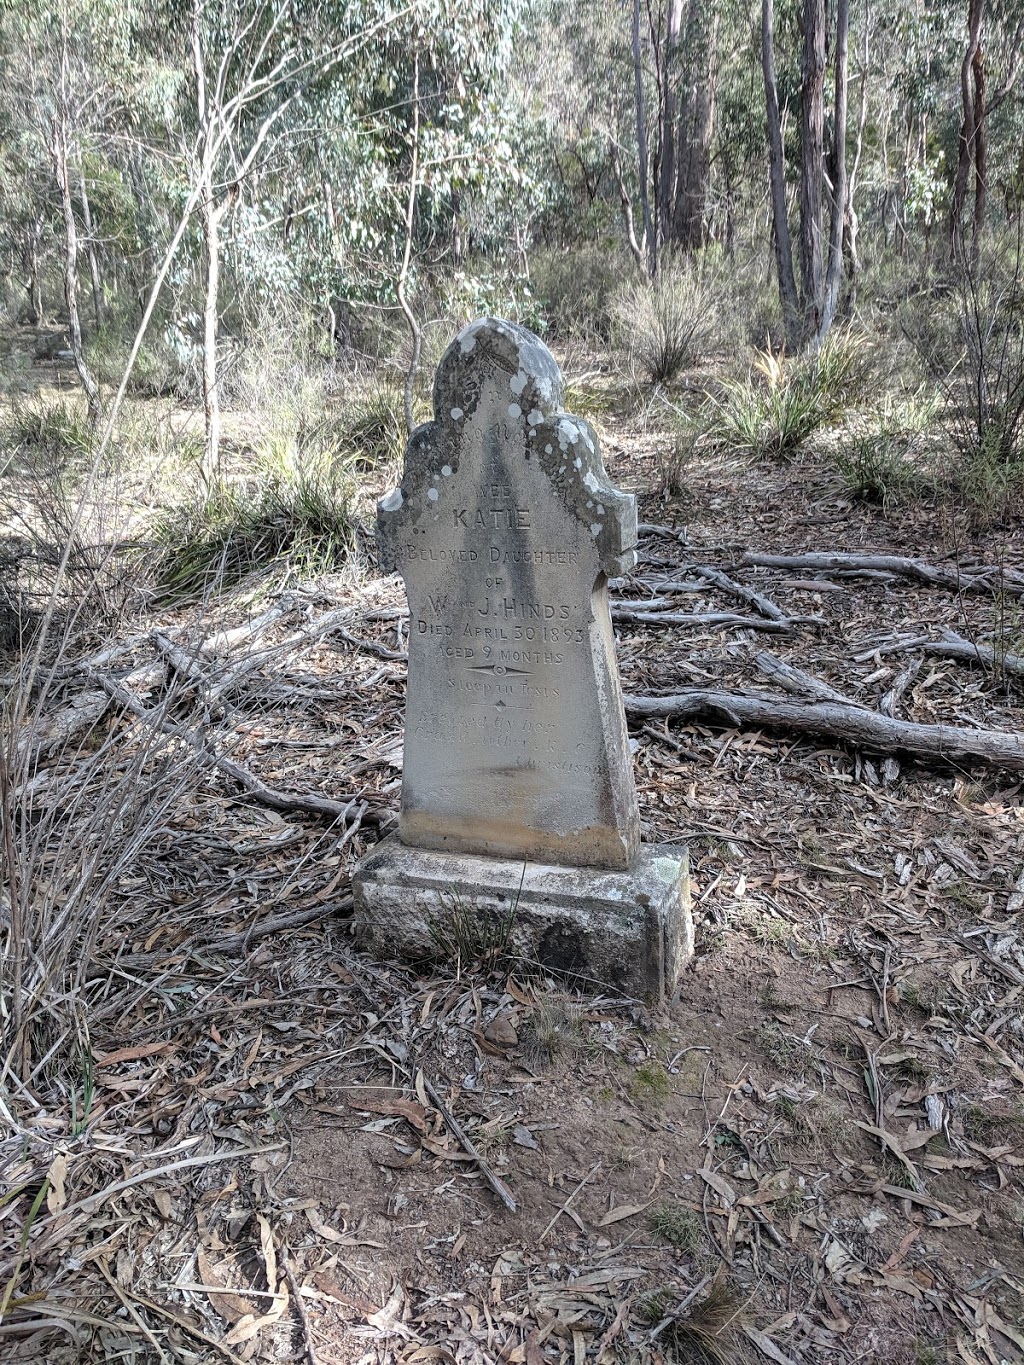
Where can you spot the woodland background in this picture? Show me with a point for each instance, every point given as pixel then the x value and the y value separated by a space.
pixel 776 251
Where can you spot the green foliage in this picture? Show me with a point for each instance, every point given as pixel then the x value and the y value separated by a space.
pixel 678 1226
pixel 295 514
pixel 465 937
pixel 782 403
pixel 664 325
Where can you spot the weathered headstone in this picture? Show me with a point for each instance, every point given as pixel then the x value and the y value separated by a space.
pixel 517 782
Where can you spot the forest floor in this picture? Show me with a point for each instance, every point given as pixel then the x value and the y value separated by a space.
pixel 815 1155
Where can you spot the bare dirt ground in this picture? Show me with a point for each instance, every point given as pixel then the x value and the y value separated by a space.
pixel 815 1155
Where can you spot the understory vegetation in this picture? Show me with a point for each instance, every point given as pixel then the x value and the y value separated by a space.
pixel 776 253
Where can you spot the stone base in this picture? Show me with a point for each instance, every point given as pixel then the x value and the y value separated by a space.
pixel 630 931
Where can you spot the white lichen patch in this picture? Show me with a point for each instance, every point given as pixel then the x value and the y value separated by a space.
pixel 467 343
pixel 432 494
pixel 456 414
pixel 518 381
pixel 591 481
pixel 595 528
pixel 446 470
pixel 577 463
pixel 548 449
pixel 514 410
pixel 535 417
pixel 393 501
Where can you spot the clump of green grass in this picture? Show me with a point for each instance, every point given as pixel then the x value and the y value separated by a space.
pixel 771 413
pixel 666 323
pixel 677 1226
pixel 650 1083
pixel 298 514
pixel 372 426
pixel 45 441
pixel 552 1033
pixel 881 461
pixel 465 937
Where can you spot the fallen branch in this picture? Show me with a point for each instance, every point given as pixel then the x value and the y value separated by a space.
pixel 760 603
pixel 798 682
pixel 953 646
pixel 294 919
pixel 726 619
pixel 309 803
pixel 991 578
pixel 864 728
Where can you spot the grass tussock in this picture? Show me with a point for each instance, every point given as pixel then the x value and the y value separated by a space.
pixel 295 514
pixel 783 402
pixel 664 325
pixel 704 1331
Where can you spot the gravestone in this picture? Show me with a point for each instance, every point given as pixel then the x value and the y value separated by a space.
pixel 518 802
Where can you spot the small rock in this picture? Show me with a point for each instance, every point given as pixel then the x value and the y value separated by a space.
pixel 501 1031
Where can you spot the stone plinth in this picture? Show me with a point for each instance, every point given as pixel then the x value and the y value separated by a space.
pixel 627 930
pixel 505 530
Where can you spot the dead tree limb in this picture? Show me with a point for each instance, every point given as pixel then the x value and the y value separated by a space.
pixel 988 578
pixel 953 646
pixel 725 619
pixel 729 585
pixel 864 728
pixel 308 803
pixel 798 682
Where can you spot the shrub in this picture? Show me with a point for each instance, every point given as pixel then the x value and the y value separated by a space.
pixel 664 325
pixel 970 339
pixel 575 290
pixel 882 461
pixel 297 513
pixel 781 404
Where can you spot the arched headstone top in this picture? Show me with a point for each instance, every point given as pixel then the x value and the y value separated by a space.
pixel 498 380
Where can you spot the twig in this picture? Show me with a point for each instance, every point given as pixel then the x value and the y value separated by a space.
pixel 563 1208
pixel 494 1181
pixel 307 1331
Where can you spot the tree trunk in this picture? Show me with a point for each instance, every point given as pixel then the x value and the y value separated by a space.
pixel 812 132
pixel 415 332
pixel 667 122
pixel 211 216
pixel 59 153
pixel 777 178
pixel 852 221
pixel 643 160
pixel 90 251
pixel 696 128
pixel 30 260
pixel 834 274
pixel 968 130
pixel 980 148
